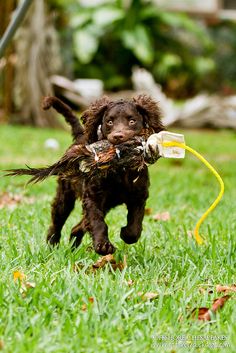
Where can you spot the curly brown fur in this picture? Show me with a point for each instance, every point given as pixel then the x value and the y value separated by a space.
pixel 151 112
pixel 118 122
pixel 92 118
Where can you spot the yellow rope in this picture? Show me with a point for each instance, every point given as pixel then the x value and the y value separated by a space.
pixel 209 166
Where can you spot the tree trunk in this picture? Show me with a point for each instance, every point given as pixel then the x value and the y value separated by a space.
pixel 7 68
pixel 38 58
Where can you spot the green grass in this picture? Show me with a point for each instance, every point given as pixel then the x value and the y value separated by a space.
pixel 52 317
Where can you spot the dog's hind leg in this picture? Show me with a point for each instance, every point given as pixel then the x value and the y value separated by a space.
pixel 77 233
pixel 62 206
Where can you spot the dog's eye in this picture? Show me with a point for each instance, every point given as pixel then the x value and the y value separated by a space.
pixel 132 121
pixel 109 122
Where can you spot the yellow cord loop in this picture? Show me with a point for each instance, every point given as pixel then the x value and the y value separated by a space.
pixel 218 177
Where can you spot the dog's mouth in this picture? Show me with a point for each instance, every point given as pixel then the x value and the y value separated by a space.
pixel 117 138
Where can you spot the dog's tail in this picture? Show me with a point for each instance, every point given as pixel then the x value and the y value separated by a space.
pixel 76 128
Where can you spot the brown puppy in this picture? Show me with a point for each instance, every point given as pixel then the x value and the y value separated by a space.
pixel 118 122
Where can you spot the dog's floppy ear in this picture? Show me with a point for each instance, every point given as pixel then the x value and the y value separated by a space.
pixel 150 111
pixel 92 118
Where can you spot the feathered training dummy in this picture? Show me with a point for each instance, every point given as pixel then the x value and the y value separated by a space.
pixel 94 159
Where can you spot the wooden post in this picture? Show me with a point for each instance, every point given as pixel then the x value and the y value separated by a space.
pixel 7 81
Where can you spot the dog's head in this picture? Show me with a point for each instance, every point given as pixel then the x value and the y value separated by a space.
pixel 119 121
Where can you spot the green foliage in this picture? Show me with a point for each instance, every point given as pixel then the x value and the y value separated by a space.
pixel 110 39
pixel 57 315
pixel 224 36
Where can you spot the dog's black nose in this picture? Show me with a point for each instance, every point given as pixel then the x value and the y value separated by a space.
pixel 118 137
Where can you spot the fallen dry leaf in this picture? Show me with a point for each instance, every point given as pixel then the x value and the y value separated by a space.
pixel 30 285
pixel 148 211
pixel 140 294
pixel 148 295
pixel 84 307
pixel 12 200
pixel 162 216
pixel 103 261
pixel 202 314
pixel 9 200
pixel 225 289
pixel 205 313
pixel 25 286
pixel 219 289
pixel 120 266
pixel 219 303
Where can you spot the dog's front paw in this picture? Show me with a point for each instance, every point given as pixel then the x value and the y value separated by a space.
pixel 128 236
pixel 104 248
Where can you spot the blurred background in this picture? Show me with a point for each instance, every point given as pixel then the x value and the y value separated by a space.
pixel 183 53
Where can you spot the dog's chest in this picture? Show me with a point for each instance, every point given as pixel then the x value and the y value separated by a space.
pixel 118 185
